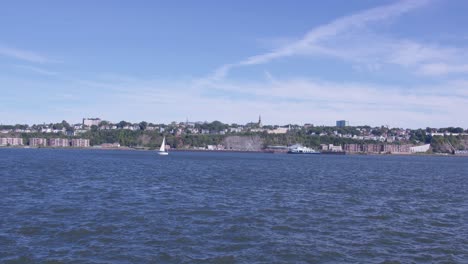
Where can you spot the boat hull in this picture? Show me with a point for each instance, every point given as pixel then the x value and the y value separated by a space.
pixel 303 153
pixel 334 152
pixel 163 153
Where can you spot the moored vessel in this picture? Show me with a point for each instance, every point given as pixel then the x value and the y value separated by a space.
pixel 299 149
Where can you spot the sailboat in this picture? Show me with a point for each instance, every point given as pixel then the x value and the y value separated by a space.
pixel 162 149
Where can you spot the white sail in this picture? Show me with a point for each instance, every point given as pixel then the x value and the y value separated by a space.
pixel 162 150
pixel 163 145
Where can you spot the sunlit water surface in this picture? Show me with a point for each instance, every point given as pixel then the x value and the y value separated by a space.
pixel 96 206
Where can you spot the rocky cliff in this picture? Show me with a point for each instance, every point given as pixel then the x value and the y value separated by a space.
pixel 243 143
pixel 449 144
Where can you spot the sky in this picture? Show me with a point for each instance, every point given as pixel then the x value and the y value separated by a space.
pixel 395 63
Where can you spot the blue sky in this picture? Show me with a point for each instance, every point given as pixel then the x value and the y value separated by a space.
pixel 397 63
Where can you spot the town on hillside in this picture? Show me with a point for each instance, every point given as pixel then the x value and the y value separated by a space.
pixel 253 136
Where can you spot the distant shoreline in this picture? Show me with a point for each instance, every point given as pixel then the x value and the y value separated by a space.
pixel 237 151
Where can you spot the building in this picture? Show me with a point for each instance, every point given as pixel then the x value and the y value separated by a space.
pixel 342 123
pixel 235 129
pixel 11 141
pixel 37 142
pixel 419 149
pixel 110 145
pixel 352 148
pixel 80 143
pixel 390 148
pixel 260 122
pixel 59 142
pixel 372 148
pixel 279 130
pixel 215 147
pixel 91 122
pixel 46 130
pixel 334 148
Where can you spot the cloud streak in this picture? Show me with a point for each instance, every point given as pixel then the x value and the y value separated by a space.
pixel 336 27
pixel 437 69
pixel 37 70
pixel 24 55
pixel 285 100
pixel 279 100
pixel 343 38
pixel 309 44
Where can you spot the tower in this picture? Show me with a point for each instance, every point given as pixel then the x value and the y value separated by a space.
pixel 260 121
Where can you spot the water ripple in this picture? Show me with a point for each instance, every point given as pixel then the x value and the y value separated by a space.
pixel 82 206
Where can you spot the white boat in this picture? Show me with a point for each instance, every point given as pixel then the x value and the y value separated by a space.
pixel 299 149
pixel 162 149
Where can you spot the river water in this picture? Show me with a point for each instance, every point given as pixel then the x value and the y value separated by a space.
pixel 98 206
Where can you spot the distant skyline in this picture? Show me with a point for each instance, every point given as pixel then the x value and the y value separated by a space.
pixel 396 63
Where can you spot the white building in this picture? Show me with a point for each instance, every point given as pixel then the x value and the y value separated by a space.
pixel 279 130
pixel 91 121
pixel 110 145
pixel 193 130
pixel 80 131
pixel 59 130
pixel 422 148
pixel 46 130
pixel 333 148
pixel 235 129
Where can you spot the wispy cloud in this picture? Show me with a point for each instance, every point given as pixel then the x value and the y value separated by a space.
pixel 24 55
pixel 443 69
pixel 285 100
pixel 336 27
pixel 279 100
pixel 37 70
pixel 352 39
pixel 379 51
pixel 294 99
pixel 310 42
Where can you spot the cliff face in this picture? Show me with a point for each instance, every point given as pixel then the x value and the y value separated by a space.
pixel 449 144
pixel 243 143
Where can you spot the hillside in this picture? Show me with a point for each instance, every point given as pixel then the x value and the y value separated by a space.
pixel 448 144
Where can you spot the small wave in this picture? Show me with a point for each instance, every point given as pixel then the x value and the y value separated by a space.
pixel 54 261
pixel 221 260
pixel 19 260
pixel 441 224
pixel 284 228
pixel 29 230
pixel 65 210
pixel 379 217
pixel 76 234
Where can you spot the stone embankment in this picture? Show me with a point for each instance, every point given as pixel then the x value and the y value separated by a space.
pixel 243 143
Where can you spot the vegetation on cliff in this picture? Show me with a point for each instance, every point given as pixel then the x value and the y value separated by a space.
pixel 184 135
pixel 449 144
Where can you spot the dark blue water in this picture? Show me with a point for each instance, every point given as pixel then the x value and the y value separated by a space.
pixel 85 206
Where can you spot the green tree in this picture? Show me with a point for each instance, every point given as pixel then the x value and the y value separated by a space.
pixel 122 124
pixel 143 125
pixel 104 123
